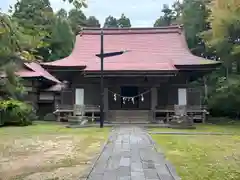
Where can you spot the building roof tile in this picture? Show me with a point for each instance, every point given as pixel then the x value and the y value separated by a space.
pixel 149 49
pixel 36 70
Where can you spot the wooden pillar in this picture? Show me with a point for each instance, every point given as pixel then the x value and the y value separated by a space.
pixel 106 103
pixel 154 100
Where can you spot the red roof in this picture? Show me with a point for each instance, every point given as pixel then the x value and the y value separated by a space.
pixel 150 49
pixel 36 70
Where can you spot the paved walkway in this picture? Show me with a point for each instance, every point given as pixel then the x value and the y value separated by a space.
pixel 130 155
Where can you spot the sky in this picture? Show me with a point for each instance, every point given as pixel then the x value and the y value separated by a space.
pixel 142 13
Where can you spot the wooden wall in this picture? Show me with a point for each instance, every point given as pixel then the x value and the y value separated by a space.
pixel 167 90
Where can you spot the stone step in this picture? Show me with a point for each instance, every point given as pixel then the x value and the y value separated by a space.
pixel 129 116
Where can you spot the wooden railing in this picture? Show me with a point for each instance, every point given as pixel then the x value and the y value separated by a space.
pixel 62 109
pixel 198 111
pixel 66 107
pixel 92 108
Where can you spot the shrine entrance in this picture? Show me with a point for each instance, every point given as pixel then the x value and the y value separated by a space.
pixel 129 103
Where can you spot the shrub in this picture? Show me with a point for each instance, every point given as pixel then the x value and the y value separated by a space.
pixel 17 112
pixel 225 100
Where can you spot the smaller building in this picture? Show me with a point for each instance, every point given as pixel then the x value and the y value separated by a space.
pixel 140 85
pixel 41 87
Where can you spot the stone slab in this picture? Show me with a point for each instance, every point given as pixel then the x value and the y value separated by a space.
pixel 130 155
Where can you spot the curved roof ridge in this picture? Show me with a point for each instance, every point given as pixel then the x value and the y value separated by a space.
pixel 130 30
pixel 136 28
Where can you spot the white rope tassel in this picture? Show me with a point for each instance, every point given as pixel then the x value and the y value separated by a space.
pixel 142 98
pixel 124 100
pixel 133 100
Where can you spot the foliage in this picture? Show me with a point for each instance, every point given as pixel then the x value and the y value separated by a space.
pixel 33 14
pixel 25 34
pixel 52 35
pixel 223 38
pixel 36 18
pixel 14 43
pixel 62 40
pixel 77 20
pixel 224 35
pixel 17 112
pixel 167 18
pixel 124 21
pixel 178 10
pixel 31 32
pixel 212 30
pixel 11 84
pixel 111 22
pixel 225 99
pixel 62 13
pixel 92 21
pixel 194 19
pixel 78 4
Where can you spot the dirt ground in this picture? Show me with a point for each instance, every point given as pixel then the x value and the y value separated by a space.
pixel 48 156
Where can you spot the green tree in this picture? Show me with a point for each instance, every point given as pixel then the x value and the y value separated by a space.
pixel 123 21
pixel 77 20
pixel 178 9
pixel 194 19
pixel 111 22
pixel 14 43
pixel 225 99
pixel 167 18
pixel 62 13
pixel 36 17
pixel 78 4
pixel 224 35
pixel 11 85
pixel 21 36
pixel 92 21
pixel 62 39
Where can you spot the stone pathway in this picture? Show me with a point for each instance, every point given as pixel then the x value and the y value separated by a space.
pixel 130 155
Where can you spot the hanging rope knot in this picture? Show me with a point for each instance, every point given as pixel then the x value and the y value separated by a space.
pixel 124 98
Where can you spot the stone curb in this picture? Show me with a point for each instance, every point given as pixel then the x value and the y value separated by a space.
pixel 87 126
pixel 168 165
pixel 90 169
pixel 190 133
pixel 118 125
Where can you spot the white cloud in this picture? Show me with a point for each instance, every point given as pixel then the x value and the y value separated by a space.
pixel 141 12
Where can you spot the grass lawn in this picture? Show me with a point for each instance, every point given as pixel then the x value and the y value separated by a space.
pixel 220 128
pixel 201 157
pixel 48 151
